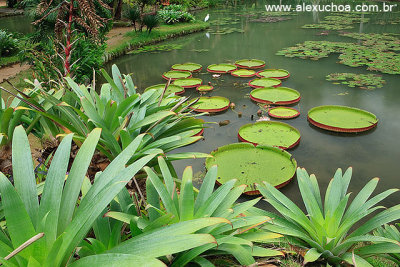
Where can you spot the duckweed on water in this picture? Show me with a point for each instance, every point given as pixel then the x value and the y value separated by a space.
pixel 337 22
pixel 156 48
pixel 364 81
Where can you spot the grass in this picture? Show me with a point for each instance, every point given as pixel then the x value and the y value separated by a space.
pixel 134 39
pixel 5 61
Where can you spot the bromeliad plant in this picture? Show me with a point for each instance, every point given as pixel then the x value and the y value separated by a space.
pixel 185 203
pixel 326 231
pixel 123 114
pixel 390 251
pixel 47 232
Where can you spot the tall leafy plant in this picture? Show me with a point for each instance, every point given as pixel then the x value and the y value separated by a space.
pixel 123 114
pixel 327 230
pixel 47 232
pixel 169 204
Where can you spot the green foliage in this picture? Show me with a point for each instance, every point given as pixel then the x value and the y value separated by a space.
pixel 363 81
pixel 169 204
pixel 327 231
pixel 392 250
pixel 151 21
pixel 174 14
pixel 64 226
pixel 133 14
pixel 123 115
pixel 8 44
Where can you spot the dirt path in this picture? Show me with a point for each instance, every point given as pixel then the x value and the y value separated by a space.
pixel 3 3
pixel 11 71
pixel 116 36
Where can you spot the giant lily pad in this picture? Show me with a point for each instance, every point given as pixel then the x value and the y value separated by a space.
pixel 192 67
pixel 188 82
pixel 204 88
pixel 271 133
pixel 172 89
pixel 221 68
pixel 211 104
pixel 342 119
pixel 250 63
pixel 176 74
pixel 273 73
pixel 252 165
pixel 283 113
pixel 243 73
pixel 276 96
pixel 264 82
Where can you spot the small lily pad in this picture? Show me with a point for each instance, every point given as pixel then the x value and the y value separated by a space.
pixel 342 119
pixel 250 63
pixel 273 73
pixel 252 165
pixel 172 89
pixel 271 133
pixel 264 82
pixel 192 67
pixel 283 113
pixel 221 68
pixel 188 82
pixel 276 96
pixel 176 74
pixel 211 104
pixel 204 88
pixel 243 73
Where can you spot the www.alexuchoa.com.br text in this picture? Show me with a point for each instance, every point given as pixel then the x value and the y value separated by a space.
pixel 332 8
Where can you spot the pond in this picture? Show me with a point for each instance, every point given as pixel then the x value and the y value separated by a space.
pixel 375 153
pixel 21 24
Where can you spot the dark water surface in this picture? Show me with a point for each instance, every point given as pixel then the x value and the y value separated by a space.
pixel 372 154
pixel 21 24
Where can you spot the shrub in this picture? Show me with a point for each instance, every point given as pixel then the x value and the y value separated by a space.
pixel 184 204
pixel 8 44
pixel 151 21
pixel 175 13
pixel 133 14
pixel 327 231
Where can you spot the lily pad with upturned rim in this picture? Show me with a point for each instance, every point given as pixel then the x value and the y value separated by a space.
pixel 252 165
pixel 271 133
pixel 172 89
pixel 274 73
pixel 283 113
pixel 276 96
pixel 176 74
pixel 243 73
pixel 342 118
pixel 189 66
pixel 250 63
pixel 265 82
pixel 221 68
pixel 211 104
pixel 204 88
pixel 188 82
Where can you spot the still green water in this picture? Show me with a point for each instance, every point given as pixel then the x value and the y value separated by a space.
pixel 372 154
pixel 20 24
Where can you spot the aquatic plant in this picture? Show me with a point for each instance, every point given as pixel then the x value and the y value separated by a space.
pixel 252 165
pixel 378 52
pixel 327 229
pixel 171 203
pixel 156 48
pixel 342 118
pixel 363 81
pixel 211 104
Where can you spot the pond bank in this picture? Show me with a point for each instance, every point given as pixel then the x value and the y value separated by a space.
pixel 125 39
